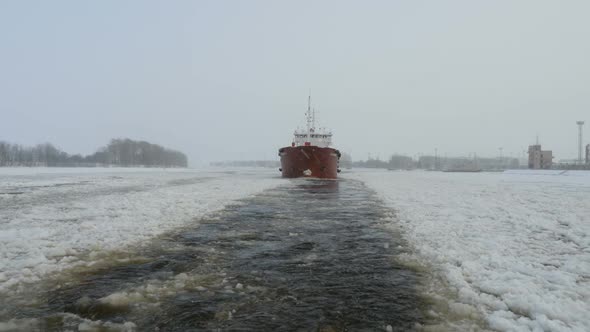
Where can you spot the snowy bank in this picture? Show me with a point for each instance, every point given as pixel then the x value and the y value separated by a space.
pixel 52 219
pixel 515 246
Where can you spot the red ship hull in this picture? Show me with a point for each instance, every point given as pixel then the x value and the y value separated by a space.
pixel 309 161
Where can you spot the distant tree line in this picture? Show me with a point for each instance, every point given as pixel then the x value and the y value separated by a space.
pixel 119 152
pixel 39 155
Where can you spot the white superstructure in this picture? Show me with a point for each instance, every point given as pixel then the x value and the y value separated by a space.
pixel 312 136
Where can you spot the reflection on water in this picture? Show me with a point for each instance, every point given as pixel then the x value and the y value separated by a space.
pixel 309 256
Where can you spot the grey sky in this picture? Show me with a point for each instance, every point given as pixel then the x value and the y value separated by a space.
pixel 224 80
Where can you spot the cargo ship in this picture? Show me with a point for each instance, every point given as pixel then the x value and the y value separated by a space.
pixel 310 153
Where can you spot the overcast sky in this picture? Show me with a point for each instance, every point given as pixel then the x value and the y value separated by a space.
pixel 228 80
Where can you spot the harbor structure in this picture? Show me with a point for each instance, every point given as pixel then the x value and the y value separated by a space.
pixel 539 158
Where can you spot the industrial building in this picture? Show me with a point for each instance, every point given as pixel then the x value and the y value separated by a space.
pixel 539 159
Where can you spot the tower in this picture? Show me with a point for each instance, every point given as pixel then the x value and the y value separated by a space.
pixel 580 125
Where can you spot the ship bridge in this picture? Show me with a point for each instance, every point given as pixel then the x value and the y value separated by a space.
pixel 321 138
pixel 311 136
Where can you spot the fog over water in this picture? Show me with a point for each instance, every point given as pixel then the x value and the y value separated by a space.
pixel 223 80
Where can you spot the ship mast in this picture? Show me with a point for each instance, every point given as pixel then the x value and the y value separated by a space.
pixel 309 115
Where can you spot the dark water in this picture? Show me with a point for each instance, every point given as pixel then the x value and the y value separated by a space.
pixel 310 256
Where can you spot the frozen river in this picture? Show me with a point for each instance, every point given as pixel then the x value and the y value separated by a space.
pixel 140 249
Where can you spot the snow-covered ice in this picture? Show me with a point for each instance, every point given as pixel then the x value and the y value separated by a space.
pixel 54 218
pixel 514 246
